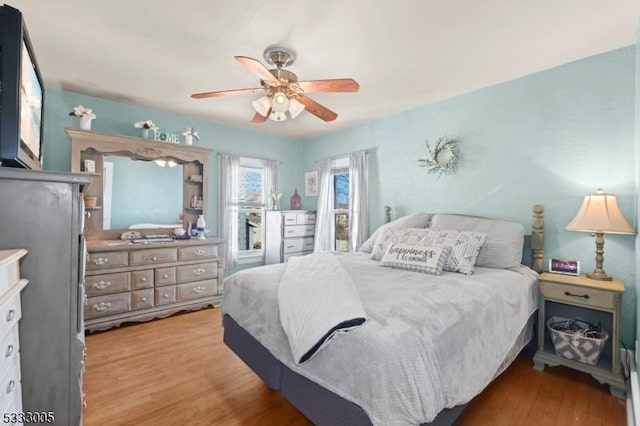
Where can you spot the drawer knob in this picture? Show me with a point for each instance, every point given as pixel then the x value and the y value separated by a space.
pixel 102 306
pixel 101 285
pixel 9 351
pixel 143 279
pixel 144 299
pixel 290 246
pixel 198 289
pixel 198 272
pixel 582 296
pixel 11 315
pixel 101 261
pixel 154 258
pixel 11 386
pixel 166 295
pixel 165 276
pixel 198 252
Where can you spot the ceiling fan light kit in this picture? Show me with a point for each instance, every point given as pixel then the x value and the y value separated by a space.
pixel 283 92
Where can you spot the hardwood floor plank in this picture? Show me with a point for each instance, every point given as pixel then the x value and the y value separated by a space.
pixel 177 371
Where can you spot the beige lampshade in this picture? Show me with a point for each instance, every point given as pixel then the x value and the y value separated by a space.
pixel 600 213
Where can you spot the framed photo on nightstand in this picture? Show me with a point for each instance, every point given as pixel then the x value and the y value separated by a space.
pixel 563 266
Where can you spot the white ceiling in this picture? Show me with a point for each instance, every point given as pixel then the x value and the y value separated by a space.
pixel 404 53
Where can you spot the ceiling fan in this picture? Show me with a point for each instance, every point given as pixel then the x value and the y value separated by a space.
pixel 281 89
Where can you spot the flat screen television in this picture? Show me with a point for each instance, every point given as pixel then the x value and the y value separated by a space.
pixel 21 94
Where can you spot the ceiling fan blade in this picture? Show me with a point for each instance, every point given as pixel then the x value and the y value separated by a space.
pixel 260 70
pixel 316 109
pixel 257 118
pixel 335 85
pixel 226 93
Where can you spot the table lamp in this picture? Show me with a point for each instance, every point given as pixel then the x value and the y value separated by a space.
pixel 601 215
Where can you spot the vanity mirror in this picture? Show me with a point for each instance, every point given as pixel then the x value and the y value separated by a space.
pixel 150 186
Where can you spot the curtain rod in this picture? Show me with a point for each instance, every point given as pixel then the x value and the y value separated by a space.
pixel 343 155
pixel 246 156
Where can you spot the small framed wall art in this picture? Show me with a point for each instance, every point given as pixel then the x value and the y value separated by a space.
pixel 563 266
pixel 311 184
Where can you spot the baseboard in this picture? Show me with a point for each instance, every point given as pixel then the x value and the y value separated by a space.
pixel 633 390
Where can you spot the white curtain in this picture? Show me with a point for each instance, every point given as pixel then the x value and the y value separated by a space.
pixel 270 179
pixel 358 200
pixel 229 181
pixel 324 219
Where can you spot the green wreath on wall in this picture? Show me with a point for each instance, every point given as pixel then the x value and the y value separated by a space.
pixel 443 158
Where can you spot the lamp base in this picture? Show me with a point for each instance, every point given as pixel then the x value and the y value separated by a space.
pixel 596 275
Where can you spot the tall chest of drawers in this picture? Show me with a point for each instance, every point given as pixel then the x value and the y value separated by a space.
pixel 10 313
pixel 288 233
pixel 132 282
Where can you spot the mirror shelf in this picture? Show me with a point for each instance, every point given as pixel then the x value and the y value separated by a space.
pixel 103 148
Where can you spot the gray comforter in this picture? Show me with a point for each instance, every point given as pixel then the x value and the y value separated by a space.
pixel 430 342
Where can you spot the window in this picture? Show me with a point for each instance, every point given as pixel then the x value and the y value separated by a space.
pixel 251 202
pixel 340 179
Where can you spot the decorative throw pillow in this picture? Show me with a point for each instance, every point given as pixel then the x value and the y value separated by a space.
pixel 505 240
pixel 465 247
pixel 411 257
pixel 390 236
pixel 416 220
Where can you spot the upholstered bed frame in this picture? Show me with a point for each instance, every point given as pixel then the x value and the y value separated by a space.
pixel 320 405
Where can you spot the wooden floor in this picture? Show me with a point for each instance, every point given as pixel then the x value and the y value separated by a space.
pixel 177 371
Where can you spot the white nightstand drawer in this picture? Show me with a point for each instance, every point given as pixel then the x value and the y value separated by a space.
pixel 10 314
pixel 299 230
pixel 577 295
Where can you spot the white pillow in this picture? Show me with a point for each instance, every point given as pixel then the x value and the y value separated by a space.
pixel 416 220
pixel 411 257
pixel 465 247
pixel 388 236
pixel 505 240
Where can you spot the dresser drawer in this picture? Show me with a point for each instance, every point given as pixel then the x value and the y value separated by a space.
pixel 10 314
pixel 112 259
pixel 153 256
pixel 165 295
pixel 9 349
pixel 299 230
pixel 97 285
pixel 141 279
pixel 197 289
pixel 290 218
pixel 165 276
pixel 305 218
pixel 577 295
pixel 10 385
pixel 107 305
pixel 198 271
pixel 141 299
pixel 294 245
pixel 196 252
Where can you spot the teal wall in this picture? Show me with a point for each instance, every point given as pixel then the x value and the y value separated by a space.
pixel 547 138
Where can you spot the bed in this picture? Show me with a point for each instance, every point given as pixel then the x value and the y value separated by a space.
pixel 429 345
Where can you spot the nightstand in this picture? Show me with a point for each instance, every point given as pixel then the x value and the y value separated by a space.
pixel 591 300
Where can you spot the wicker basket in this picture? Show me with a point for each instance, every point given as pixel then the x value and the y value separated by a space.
pixel 575 347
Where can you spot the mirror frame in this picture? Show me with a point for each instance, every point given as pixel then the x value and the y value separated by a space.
pixel 88 145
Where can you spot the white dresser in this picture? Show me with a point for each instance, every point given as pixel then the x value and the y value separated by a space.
pixel 10 313
pixel 288 233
